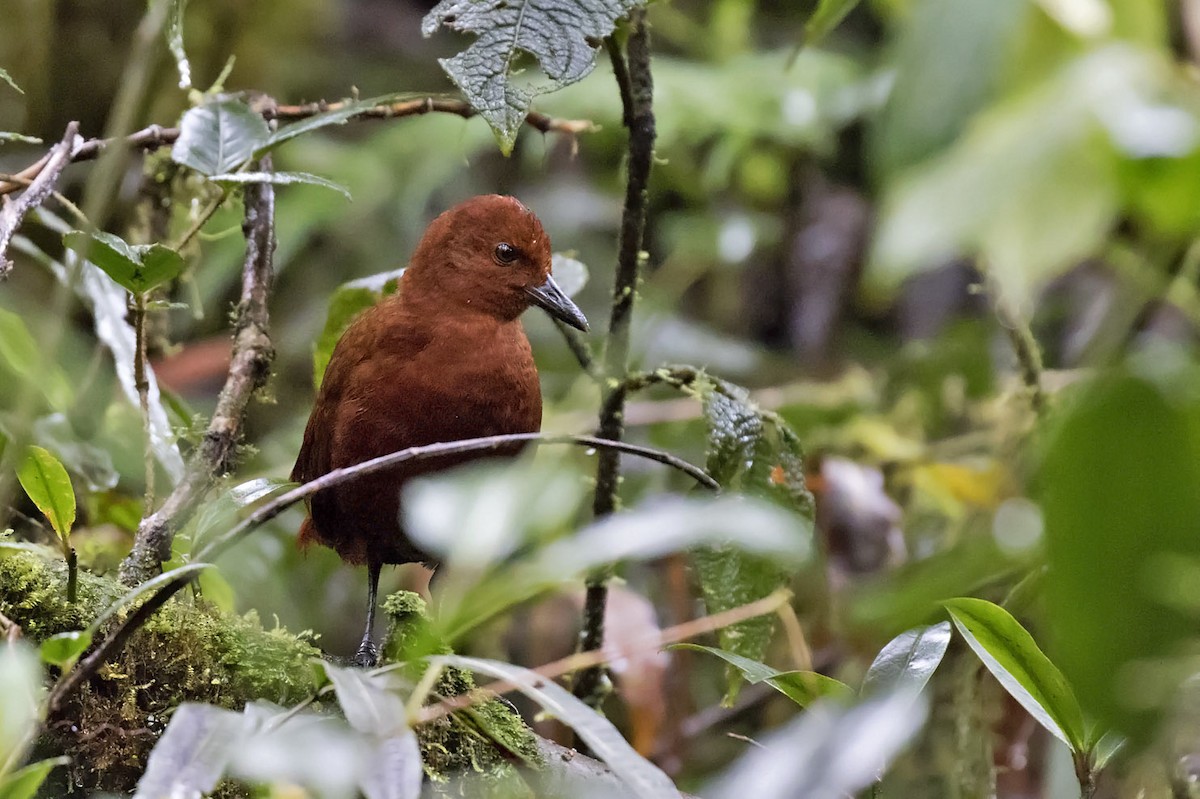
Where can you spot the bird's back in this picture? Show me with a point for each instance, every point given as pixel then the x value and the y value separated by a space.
pixel 401 378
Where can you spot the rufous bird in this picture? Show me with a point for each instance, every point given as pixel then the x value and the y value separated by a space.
pixel 445 358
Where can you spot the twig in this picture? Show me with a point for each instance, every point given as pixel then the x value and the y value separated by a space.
pixel 156 136
pixel 143 389
pixel 592 658
pixel 637 95
pixel 1029 355
pixel 579 348
pixel 248 371
pixel 39 188
pixel 73 679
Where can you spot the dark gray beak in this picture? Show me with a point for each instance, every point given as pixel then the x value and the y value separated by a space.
pixel 550 298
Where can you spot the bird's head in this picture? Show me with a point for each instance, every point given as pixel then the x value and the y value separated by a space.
pixel 490 253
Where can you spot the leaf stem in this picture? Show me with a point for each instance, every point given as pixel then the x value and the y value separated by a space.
pixel 72 574
pixel 636 85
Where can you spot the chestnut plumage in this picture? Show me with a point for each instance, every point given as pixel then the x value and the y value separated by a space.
pixel 443 359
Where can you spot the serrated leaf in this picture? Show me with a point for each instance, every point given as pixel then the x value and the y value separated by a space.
pixel 65 648
pixel 802 687
pixel 190 758
pixel 4 76
pixel 175 43
pixel 1015 660
pixel 640 776
pixel 220 136
pixel 137 267
pixel 24 783
pixel 281 179
pixel 47 484
pixel 347 302
pixel 370 704
pixel 828 16
pixel 562 35
pixel 908 660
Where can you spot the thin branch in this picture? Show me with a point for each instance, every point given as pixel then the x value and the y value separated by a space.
pixel 248 371
pixel 40 187
pixel 156 136
pixel 579 348
pixel 637 95
pixel 589 659
pixel 73 679
pixel 1029 355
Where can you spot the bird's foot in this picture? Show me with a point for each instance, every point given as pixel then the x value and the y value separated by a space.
pixel 367 655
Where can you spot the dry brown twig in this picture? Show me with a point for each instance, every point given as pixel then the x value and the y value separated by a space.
pixel 40 185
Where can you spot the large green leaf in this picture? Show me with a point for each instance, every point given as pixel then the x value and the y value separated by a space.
pixel 562 35
pixel 754 453
pixel 802 687
pixel 1122 519
pixel 47 484
pixel 137 267
pixel 24 783
pixel 219 136
pixel 908 660
pixel 1014 659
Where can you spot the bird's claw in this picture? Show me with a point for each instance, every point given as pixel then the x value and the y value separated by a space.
pixel 367 655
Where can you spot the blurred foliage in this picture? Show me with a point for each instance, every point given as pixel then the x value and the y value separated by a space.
pixel 847 222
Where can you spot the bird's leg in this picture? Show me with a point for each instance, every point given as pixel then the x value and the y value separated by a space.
pixel 368 654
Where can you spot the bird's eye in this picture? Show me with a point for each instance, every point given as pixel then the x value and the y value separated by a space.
pixel 505 253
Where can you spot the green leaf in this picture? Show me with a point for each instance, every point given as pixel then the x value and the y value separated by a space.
pixel 21 355
pixel 640 777
pixel 64 649
pixel 1117 486
pixel 908 660
pixel 21 693
pixel 325 119
pixel 136 267
pixel 370 701
pixel 220 136
pixel 24 783
pixel 802 687
pixel 175 43
pixel 280 179
pixel 347 302
pixel 4 76
pixel 828 16
pixel 752 452
pixel 47 484
pixel 1014 659
pixel 7 135
pixel 562 35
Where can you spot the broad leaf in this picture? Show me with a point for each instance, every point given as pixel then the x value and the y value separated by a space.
pixel 562 35
pixel 137 267
pixel 908 660
pixel 280 179
pixel 24 783
pixel 219 137
pixel 20 695
pixel 347 302
pixel 64 649
pixel 393 771
pixel 368 700
pixel 827 752
pixel 828 15
pixel 641 777
pixel 1014 659
pixel 802 687
pixel 47 484
pixel 191 756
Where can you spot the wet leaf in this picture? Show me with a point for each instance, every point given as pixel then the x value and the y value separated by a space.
pixel 908 660
pixel 219 136
pixel 137 267
pixel 563 35
pixel 802 687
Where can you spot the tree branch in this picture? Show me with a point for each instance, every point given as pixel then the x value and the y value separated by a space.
pixel 637 94
pixel 248 371
pixel 40 186
pixel 155 136
pixel 112 644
